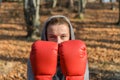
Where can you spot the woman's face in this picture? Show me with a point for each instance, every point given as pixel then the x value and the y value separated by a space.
pixel 58 33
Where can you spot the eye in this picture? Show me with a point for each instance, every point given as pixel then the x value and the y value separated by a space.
pixel 63 36
pixel 52 36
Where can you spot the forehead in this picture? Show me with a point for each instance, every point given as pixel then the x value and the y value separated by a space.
pixel 58 29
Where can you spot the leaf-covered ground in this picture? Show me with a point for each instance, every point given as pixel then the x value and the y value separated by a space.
pixel 97 29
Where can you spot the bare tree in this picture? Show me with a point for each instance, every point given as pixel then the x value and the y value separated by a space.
pixel 118 23
pixel 71 3
pixel 119 12
pixel 81 8
pixel 54 3
pixel 31 14
pixel 112 4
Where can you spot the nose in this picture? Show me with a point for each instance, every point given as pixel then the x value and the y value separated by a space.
pixel 59 40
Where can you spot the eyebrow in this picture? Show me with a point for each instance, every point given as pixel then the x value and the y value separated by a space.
pixel 50 34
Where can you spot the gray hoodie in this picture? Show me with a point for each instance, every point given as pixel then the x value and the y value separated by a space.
pixel 58 75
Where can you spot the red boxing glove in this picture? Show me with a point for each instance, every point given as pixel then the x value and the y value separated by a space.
pixel 73 59
pixel 43 59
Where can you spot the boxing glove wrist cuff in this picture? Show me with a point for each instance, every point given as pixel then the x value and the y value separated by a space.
pixel 43 77
pixel 74 78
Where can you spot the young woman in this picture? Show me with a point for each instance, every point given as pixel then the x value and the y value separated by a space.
pixel 57 29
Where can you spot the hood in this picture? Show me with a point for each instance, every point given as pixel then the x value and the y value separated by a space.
pixel 43 35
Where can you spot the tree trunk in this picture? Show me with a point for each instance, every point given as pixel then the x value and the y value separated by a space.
pixel 71 4
pixel 31 15
pixel 119 12
pixel 36 19
pixel 118 23
pixel 112 5
pixel 27 17
pixel 60 4
pixel 54 3
pixel 80 9
pixel 36 16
